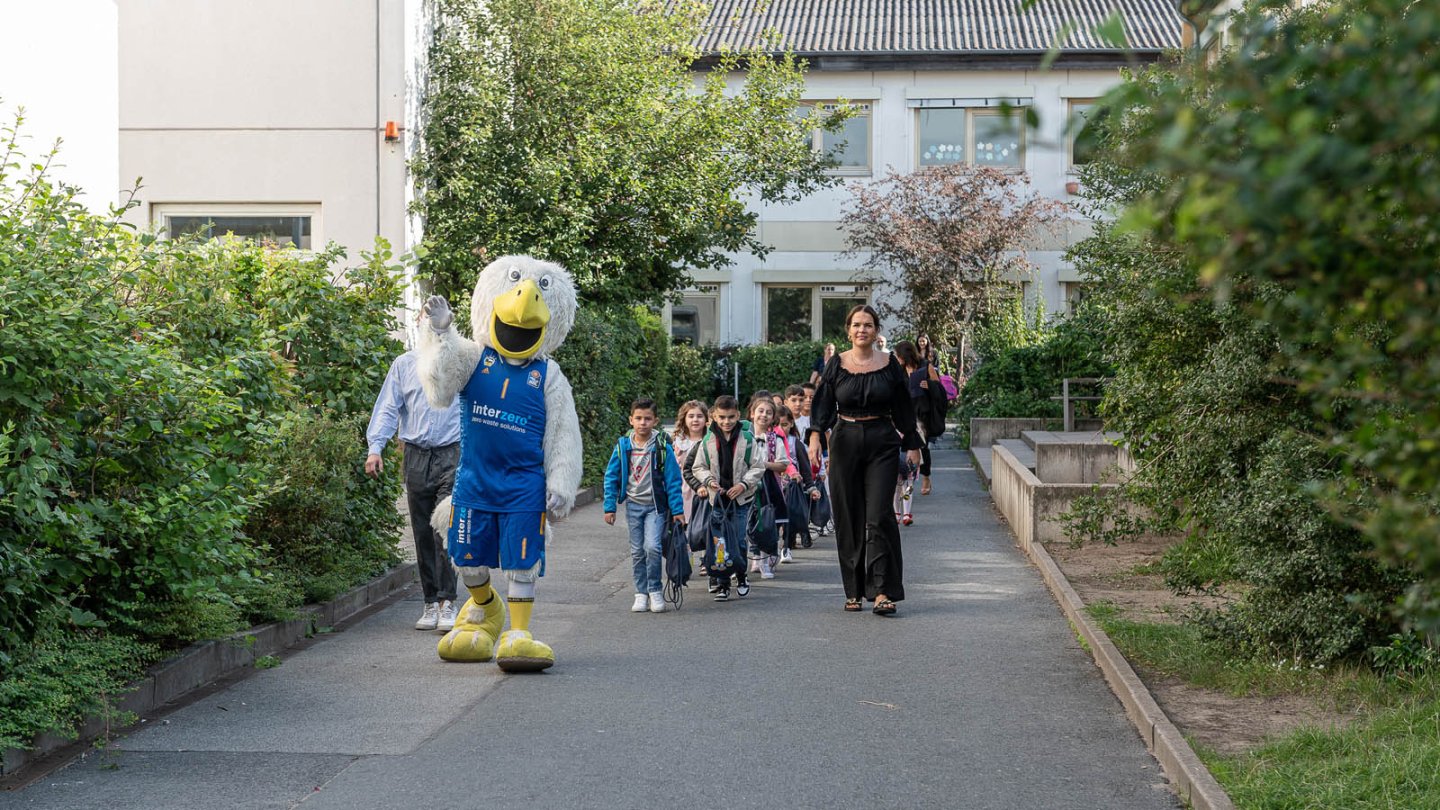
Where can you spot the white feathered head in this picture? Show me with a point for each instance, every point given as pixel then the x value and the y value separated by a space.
pixel 522 306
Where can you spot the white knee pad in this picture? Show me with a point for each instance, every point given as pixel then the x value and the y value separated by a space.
pixel 522 583
pixel 473 576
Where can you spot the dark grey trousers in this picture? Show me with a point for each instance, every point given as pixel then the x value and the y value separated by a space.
pixel 429 477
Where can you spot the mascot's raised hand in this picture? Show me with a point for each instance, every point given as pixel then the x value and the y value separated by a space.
pixel 520 453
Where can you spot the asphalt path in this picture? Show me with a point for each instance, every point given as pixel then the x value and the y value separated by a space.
pixel 977 695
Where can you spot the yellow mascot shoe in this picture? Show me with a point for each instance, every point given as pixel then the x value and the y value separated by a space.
pixel 476 628
pixel 520 652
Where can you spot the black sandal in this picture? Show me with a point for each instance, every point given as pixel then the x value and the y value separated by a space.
pixel 884 607
pixel 852 605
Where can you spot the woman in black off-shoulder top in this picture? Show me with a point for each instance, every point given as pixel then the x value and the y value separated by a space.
pixel 863 399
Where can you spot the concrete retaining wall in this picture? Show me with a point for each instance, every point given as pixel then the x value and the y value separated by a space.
pixel 985 432
pixel 1097 462
pixel 1032 507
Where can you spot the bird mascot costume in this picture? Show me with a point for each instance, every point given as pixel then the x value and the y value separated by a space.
pixel 520 453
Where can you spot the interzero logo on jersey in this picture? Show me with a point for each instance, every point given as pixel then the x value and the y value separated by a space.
pixel 480 412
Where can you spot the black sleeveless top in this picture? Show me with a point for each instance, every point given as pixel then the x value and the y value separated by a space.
pixel 884 392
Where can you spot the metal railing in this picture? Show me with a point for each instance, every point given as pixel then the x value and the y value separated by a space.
pixel 1067 401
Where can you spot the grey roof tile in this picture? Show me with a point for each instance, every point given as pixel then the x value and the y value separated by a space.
pixel 937 26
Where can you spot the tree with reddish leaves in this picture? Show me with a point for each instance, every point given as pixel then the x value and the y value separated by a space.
pixel 950 238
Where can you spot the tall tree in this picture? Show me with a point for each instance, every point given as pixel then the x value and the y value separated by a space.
pixel 951 237
pixel 575 130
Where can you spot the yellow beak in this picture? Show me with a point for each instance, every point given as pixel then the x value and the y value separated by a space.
pixel 519 322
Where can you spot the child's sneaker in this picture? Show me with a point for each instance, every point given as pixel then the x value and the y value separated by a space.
pixel 714 585
pixel 907 519
pixel 743 588
pixel 722 594
pixel 766 572
pixel 785 556
pixel 642 603
pixel 657 602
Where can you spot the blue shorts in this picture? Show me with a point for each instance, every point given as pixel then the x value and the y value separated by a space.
pixel 510 541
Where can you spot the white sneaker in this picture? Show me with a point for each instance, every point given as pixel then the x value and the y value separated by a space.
pixel 430 619
pixel 785 556
pixel 657 602
pixel 642 603
pixel 766 572
pixel 447 616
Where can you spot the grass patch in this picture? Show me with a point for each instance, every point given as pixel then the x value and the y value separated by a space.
pixel 1180 650
pixel 1388 758
pixel 1391 759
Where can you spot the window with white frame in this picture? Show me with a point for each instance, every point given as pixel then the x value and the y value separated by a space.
pixel 695 320
pixel 850 145
pixel 809 311
pixel 975 132
pixel 284 225
pixel 1080 137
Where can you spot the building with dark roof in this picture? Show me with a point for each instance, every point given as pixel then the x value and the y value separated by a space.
pixel 929 78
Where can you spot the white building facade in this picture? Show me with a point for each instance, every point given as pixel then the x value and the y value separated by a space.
pixel 929 81
pixel 274 119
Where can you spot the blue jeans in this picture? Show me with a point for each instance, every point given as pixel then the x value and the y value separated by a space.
pixel 646 523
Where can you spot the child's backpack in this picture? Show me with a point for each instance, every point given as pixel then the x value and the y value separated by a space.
pixel 723 554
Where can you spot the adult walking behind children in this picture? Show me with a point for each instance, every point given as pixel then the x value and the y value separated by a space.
pixel 432 454
pixel 644 475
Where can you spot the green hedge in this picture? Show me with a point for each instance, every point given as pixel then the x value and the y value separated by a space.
pixel 181 433
pixel 1019 381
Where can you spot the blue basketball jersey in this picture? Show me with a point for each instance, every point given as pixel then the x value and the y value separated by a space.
pixel 502 454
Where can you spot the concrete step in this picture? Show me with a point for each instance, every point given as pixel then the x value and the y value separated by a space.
pixel 983 462
pixel 1022 448
pixel 1034 437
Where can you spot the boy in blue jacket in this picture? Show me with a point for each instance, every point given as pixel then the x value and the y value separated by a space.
pixel 644 475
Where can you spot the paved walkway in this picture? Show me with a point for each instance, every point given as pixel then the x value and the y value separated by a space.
pixel 976 696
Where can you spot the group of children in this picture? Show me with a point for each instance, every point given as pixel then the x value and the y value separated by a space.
pixel 750 481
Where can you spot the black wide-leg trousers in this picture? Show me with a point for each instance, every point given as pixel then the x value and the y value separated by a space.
pixel 864 464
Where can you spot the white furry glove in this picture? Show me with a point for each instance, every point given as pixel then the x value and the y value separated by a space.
pixel 557 504
pixel 440 314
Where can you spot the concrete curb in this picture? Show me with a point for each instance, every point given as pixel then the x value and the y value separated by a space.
pixel 209 661
pixel 1193 782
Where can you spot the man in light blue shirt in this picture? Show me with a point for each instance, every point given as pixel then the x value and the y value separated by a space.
pixel 432 452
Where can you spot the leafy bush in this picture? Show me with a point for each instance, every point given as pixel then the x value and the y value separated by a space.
pixel 128 467
pixel 765 366
pixel 325 521
pixel 1020 380
pixel 1224 438
pixel 692 376
pixel 1289 197
pixel 158 399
